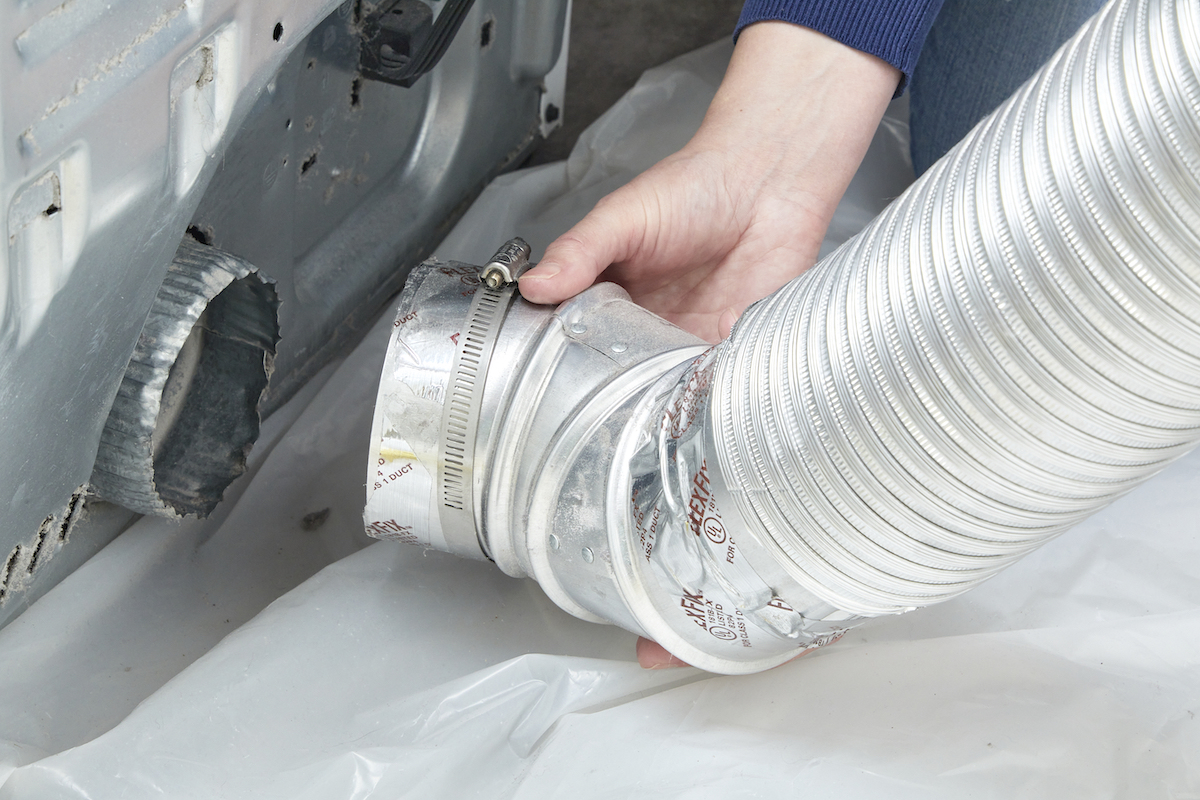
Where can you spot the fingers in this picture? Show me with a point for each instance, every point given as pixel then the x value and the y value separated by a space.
pixel 652 655
pixel 574 260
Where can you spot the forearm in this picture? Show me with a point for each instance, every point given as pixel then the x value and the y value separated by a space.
pixel 893 30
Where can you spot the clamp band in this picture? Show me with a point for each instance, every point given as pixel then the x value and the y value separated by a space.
pixel 460 416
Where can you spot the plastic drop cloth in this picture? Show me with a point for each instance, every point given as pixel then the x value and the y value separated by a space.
pixel 273 651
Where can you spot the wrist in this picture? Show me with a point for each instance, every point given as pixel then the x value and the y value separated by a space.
pixel 797 102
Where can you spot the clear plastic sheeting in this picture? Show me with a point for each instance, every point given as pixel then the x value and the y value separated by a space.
pixel 269 653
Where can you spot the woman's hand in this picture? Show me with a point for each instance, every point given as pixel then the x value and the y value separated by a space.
pixel 743 207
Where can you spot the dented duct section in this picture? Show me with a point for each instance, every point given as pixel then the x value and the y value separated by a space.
pixel 186 414
pixel 1011 346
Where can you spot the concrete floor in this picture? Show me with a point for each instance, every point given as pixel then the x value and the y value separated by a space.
pixel 614 41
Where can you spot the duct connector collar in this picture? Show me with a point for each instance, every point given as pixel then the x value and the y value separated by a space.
pixel 567 444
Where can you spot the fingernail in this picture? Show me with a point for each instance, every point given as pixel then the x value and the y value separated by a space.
pixel 670 662
pixel 541 273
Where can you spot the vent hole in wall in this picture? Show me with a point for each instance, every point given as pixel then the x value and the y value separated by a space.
pixel 187 414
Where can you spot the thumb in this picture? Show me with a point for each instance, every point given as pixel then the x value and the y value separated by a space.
pixel 652 655
pixel 726 322
pixel 573 260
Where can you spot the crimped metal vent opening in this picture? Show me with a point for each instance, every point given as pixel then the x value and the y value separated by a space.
pixel 186 414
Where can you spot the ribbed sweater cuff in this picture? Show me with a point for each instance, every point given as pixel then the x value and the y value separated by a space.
pixel 893 30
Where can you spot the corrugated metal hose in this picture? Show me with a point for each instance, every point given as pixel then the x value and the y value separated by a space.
pixel 1012 345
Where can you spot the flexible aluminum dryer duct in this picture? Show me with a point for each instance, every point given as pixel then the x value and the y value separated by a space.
pixel 1012 345
pixel 1009 347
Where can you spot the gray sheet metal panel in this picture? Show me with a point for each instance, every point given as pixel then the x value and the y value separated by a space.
pixel 123 123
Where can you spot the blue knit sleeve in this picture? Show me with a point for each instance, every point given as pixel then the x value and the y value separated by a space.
pixel 893 30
